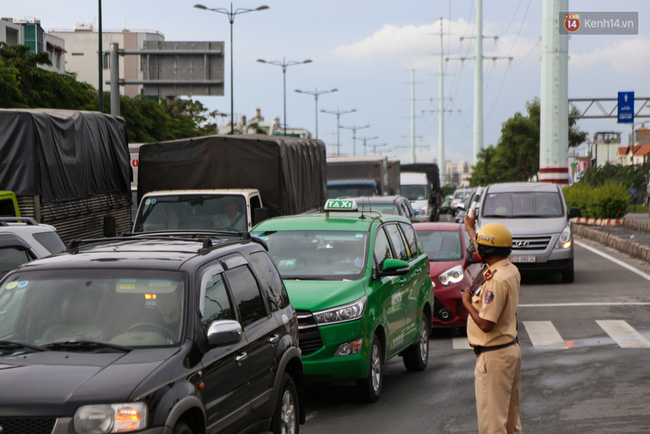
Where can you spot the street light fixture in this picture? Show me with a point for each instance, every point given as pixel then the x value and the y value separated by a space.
pixel 316 94
pixel 354 129
pixel 284 65
pixel 366 139
pixel 231 18
pixel 338 114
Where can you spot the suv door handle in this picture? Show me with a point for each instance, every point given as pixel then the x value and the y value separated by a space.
pixel 273 339
pixel 241 357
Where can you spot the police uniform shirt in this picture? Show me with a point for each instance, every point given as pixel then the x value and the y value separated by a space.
pixel 497 302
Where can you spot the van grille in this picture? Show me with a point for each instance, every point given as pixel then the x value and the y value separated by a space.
pixel 523 244
pixel 27 425
pixel 309 335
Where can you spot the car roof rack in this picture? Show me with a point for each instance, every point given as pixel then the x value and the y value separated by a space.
pixel 4 221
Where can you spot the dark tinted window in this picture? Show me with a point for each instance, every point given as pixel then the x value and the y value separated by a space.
pixel 270 280
pixel 51 241
pixel 246 294
pixel 398 242
pixel 382 247
pixel 216 304
pixel 11 257
pixel 411 240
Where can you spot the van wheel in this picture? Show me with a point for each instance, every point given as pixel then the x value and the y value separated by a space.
pixel 568 275
pixel 286 415
pixel 416 356
pixel 182 428
pixel 370 387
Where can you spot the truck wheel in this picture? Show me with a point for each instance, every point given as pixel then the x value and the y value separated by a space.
pixel 286 415
pixel 370 387
pixel 568 275
pixel 416 356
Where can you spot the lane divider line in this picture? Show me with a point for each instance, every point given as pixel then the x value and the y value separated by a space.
pixel 614 260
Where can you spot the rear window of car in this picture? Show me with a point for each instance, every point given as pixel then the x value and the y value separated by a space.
pixel 51 241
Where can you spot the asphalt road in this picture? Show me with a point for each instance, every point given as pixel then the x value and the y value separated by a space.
pixel 585 349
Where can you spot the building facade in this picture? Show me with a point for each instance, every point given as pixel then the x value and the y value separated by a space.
pixel 29 32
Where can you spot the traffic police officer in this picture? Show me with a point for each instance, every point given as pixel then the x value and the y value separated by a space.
pixel 492 331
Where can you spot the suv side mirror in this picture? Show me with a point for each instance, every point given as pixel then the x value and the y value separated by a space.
pixel 574 212
pixel 224 332
pixel 394 267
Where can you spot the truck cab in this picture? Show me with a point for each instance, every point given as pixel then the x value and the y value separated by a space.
pixel 227 209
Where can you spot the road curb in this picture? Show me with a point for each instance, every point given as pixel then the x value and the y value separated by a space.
pixel 631 248
pixel 597 222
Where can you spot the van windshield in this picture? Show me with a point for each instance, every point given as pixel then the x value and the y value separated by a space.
pixel 414 192
pixel 523 205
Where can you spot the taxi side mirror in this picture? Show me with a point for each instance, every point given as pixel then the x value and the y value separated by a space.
pixel 394 267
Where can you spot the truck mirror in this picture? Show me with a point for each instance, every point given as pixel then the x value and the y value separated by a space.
pixel 260 214
pixel 109 228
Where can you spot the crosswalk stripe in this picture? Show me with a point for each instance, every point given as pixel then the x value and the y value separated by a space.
pixel 623 334
pixel 460 343
pixel 544 335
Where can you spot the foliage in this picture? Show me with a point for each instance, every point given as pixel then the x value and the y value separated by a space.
pixel 516 155
pixel 448 190
pixel 23 84
pixel 631 177
pixel 609 200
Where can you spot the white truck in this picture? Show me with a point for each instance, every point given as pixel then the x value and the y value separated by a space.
pixel 228 182
pixel 420 183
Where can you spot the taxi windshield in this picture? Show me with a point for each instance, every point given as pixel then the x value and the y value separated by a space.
pixel 118 307
pixel 318 255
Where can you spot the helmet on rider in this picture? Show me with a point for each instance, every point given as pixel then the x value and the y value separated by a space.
pixel 494 239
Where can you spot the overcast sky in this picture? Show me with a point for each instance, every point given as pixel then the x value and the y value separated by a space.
pixel 368 48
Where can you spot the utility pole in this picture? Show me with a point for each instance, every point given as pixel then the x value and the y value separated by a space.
pixel 413 83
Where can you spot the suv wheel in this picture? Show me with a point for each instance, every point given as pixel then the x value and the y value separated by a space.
pixel 416 356
pixel 568 275
pixel 182 428
pixel 370 387
pixel 285 418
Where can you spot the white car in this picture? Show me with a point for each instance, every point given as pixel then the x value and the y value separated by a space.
pixel 22 239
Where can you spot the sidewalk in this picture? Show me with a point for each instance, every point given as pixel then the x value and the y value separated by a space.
pixel 631 237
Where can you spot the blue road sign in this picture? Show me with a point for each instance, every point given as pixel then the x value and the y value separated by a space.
pixel 625 107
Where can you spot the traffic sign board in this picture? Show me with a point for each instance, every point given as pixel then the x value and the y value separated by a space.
pixel 625 108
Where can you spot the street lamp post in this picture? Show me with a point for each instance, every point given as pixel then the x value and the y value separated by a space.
pixel 338 114
pixel 316 94
pixel 354 129
pixel 231 18
pixel 284 65
pixel 365 139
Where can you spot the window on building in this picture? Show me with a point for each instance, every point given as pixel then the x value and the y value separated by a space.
pixel 107 61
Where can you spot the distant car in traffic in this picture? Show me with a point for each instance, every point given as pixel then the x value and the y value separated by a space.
pixel 360 284
pixel 153 334
pixel 395 205
pixel 451 269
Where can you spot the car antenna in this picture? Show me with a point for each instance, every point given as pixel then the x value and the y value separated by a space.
pixel 363 216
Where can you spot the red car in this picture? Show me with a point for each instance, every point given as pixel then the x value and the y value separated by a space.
pixel 451 269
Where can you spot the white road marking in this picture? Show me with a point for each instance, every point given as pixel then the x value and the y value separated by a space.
pixel 544 335
pixel 460 343
pixel 618 303
pixel 623 334
pixel 614 260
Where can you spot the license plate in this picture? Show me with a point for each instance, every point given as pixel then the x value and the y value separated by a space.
pixel 523 259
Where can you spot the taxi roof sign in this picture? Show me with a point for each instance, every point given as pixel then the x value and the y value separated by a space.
pixel 341 205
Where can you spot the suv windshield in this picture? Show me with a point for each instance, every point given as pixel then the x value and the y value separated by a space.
pixel 318 255
pixel 522 205
pixel 121 307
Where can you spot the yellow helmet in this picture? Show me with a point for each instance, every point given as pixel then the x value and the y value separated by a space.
pixel 494 239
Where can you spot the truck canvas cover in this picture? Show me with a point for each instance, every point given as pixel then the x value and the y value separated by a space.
pixel 289 172
pixel 431 169
pixel 62 155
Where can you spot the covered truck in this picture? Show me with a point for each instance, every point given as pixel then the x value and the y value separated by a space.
pixel 228 182
pixel 67 168
pixel 357 176
pixel 420 183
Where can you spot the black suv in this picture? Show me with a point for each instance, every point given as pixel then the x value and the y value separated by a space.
pixel 150 334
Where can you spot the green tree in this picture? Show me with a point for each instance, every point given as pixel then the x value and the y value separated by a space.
pixel 516 155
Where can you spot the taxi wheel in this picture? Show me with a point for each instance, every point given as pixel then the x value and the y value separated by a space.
pixel 416 357
pixel 370 387
pixel 285 419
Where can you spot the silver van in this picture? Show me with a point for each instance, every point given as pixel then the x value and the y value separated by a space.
pixel 538 219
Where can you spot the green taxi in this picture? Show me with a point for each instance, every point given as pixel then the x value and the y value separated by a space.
pixel 360 284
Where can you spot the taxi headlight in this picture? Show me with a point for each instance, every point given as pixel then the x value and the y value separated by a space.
pixel 110 418
pixel 564 240
pixel 451 276
pixel 348 312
